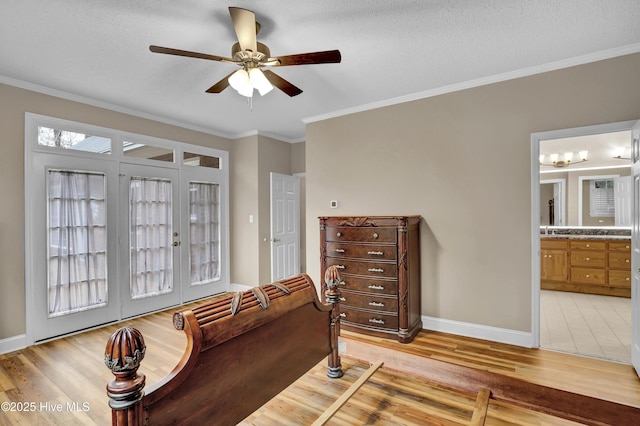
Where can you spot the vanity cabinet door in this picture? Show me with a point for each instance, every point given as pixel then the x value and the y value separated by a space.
pixel 554 265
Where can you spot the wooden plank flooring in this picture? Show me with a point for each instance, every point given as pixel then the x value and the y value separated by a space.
pixel 63 381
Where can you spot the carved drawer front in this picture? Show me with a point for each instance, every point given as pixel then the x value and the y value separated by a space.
pixel 620 278
pixel 624 246
pixel 361 251
pixel 369 319
pixel 372 269
pixel 588 245
pixel 620 260
pixel 586 258
pixel 364 235
pixel 588 275
pixel 369 285
pixel 371 302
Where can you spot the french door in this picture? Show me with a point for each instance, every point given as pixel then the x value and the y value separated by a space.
pixel 118 225
pixel 149 255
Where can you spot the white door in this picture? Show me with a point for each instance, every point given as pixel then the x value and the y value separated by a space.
pixel 203 234
pixel 149 238
pixel 285 226
pixel 74 272
pixel 635 245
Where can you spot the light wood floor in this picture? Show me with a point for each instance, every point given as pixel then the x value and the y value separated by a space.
pixel 63 381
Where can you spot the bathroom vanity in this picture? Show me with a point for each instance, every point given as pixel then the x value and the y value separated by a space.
pixel 586 260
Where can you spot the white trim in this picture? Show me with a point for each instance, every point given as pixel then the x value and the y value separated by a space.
pixel 14 343
pixel 535 205
pixel 136 113
pixel 478 331
pixel 563 198
pixel 511 75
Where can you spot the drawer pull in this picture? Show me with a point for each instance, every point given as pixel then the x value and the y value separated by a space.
pixel 343 315
pixel 588 245
pixel 376 287
pixel 587 276
pixel 626 279
pixel 378 304
pixel 342 283
pixel 339 250
pixel 338 234
pixel 340 266
pixel 626 260
pixel 376 321
pixel 375 236
pixel 342 299
pixel 375 253
pixel 587 259
pixel 379 270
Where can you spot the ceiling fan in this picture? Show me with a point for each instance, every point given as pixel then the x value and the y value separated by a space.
pixel 252 56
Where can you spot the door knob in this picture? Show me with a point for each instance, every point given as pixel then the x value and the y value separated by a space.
pixel 275 240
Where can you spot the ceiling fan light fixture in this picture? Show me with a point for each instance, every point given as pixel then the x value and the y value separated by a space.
pixel 259 81
pixel 240 81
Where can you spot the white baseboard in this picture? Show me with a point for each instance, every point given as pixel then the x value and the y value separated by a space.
pixel 493 334
pixel 14 343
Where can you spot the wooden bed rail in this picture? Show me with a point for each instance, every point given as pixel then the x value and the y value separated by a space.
pixel 242 349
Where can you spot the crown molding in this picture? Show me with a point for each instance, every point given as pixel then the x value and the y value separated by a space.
pixel 497 78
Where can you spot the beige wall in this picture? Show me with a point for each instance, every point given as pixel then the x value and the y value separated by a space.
pixel 251 159
pixel 244 186
pixel 463 162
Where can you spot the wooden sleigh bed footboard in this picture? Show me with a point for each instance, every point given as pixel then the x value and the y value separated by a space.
pixel 242 350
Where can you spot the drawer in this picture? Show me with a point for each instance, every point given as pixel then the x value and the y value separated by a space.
pixel 624 246
pixel 362 251
pixel 369 301
pixel 369 285
pixel 359 267
pixel 588 276
pixel 369 319
pixel 370 234
pixel 620 260
pixel 554 244
pixel 586 258
pixel 588 245
pixel 620 278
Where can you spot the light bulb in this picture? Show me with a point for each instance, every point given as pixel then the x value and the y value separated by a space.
pixel 239 80
pixel 259 81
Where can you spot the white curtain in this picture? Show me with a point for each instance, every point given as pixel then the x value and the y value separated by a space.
pixel 77 268
pixel 151 241
pixel 204 228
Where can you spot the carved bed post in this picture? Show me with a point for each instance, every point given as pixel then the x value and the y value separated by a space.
pixel 125 349
pixel 332 295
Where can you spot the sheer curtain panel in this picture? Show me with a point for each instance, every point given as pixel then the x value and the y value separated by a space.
pixel 151 241
pixel 204 232
pixel 77 267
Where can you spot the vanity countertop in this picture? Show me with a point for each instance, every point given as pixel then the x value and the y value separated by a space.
pixel 585 233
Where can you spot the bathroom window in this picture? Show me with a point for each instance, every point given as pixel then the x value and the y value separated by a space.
pixel 602 198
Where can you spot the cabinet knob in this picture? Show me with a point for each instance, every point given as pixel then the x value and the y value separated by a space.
pixel 338 234
pixel 339 250
pixel 379 270
pixel 340 266
pixel 376 321
pixel 343 315
pixel 587 276
pixel 375 235
pixel 587 258
pixel 377 304
pixel 626 260
pixel 376 287
pixel 588 245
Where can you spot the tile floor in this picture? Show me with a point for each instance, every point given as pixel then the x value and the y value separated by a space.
pixel 585 324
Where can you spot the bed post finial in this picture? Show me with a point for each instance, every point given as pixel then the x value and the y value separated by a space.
pixel 332 295
pixel 123 354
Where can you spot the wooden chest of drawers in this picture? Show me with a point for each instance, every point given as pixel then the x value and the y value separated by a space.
pixel 379 261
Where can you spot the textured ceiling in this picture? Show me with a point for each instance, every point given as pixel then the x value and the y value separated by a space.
pixel 98 51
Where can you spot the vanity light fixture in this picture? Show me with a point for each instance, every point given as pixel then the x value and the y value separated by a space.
pixel 563 160
pixel 618 153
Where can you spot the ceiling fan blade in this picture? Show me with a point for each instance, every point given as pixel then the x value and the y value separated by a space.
pixel 244 23
pixel 221 85
pixel 281 83
pixel 178 52
pixel 324 57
